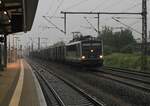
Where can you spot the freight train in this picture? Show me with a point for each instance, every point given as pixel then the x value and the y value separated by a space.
pixel 86 51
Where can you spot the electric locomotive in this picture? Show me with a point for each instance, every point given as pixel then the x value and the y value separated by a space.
pixel 86 51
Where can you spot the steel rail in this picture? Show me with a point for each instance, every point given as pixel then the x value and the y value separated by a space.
pixel 140 73
pixel 44 89
pixel 147 89
pixel 82 92
pixel 57 97
pixel 131 84
pixel 120 79
pixel 127 77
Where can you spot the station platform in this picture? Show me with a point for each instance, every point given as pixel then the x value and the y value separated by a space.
pixel 19 86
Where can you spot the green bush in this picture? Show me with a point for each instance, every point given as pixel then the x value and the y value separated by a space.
pixel 127 49
pixel 131 61
pixel 108 49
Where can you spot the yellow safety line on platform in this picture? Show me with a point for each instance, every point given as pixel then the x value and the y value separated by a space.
pixel 17 94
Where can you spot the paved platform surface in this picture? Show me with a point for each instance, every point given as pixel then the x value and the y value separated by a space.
pixel 18 86
pixel 8 81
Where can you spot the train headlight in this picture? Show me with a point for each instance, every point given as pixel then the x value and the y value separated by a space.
pixel 92 51
pixel 101 56
pixel 83 57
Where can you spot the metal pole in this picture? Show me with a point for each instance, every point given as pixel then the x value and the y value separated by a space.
pixel 98 27
pixel 32 46
pixel 9 60
pixel 38 43
pixel 16 55
pixel 13 50
pixel 149 34
pixel 5 50
pixel 24 15
pixel 65 23
pixel 29 51
pixel 16 50
pixel 144 35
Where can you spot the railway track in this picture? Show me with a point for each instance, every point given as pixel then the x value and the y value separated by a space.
pixel 135 79
pixel 59 91
pixel 96 83
pixel 49 95
pixel 141 73
pixel 138 80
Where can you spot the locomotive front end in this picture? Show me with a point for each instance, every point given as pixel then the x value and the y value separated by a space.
pixel 92 53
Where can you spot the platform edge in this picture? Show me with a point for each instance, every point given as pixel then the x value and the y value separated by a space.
pixel 41 97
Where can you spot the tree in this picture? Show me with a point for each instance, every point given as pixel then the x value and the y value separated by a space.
pixel 120 41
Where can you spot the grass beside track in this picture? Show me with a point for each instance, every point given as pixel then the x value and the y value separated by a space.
pixel 120 60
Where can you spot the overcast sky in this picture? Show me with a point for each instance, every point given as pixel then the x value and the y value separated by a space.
pixel 52 8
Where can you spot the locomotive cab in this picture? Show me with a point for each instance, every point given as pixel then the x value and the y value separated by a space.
pixel 92 52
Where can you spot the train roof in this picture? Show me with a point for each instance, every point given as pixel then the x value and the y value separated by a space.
pixel 73 43
pixel 77 42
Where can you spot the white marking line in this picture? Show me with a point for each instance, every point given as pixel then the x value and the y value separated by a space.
pixel 17 94
pixel 38 89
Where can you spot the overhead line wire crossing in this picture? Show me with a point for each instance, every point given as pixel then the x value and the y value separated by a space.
pixel 144 26
pixel 127 13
